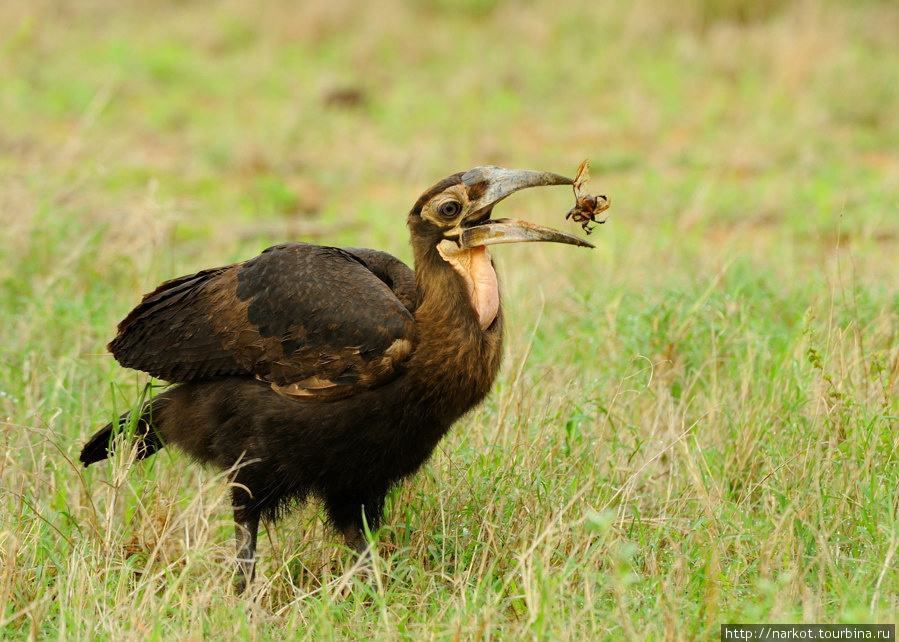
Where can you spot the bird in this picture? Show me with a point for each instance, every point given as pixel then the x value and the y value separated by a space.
pixel 325 372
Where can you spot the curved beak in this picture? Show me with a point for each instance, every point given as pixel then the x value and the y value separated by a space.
pixel 487 186
pixel 510 230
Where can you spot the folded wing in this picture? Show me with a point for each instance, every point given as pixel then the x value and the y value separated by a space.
pixel 316 322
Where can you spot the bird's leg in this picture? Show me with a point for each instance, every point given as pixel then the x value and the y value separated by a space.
pixel 355 539
pixel 246 526
pixel 351 514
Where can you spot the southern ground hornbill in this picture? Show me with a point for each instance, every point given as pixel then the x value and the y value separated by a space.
pixel 314 370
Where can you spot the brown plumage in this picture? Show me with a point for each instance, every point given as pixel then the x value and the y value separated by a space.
pixel 325 371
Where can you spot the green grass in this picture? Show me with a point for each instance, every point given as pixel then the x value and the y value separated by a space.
pixel 695 423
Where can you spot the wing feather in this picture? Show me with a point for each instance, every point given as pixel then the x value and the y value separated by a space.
pixel 316 322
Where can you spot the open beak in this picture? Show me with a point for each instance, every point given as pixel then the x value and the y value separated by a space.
pixel 493 184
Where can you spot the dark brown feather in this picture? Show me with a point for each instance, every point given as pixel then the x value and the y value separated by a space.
pixel 297 313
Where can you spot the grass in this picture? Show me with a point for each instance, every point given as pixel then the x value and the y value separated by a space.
pixel 695 423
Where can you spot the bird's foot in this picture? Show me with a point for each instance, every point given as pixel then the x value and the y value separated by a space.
pixel 359 569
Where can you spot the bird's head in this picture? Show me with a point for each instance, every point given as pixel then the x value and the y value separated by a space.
pixel 453 220
pixel 455 215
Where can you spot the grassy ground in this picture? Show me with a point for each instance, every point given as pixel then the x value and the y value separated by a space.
pixel 696 422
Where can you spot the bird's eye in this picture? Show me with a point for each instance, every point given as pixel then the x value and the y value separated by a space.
pixel 449 209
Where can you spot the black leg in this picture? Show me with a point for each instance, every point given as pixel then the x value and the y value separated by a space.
pixel 246 526
pixel 351 512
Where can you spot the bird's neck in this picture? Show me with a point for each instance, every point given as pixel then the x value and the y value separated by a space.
pixel 459 325
pixel 479 277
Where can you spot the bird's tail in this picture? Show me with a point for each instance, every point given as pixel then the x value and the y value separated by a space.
pixel 139 428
